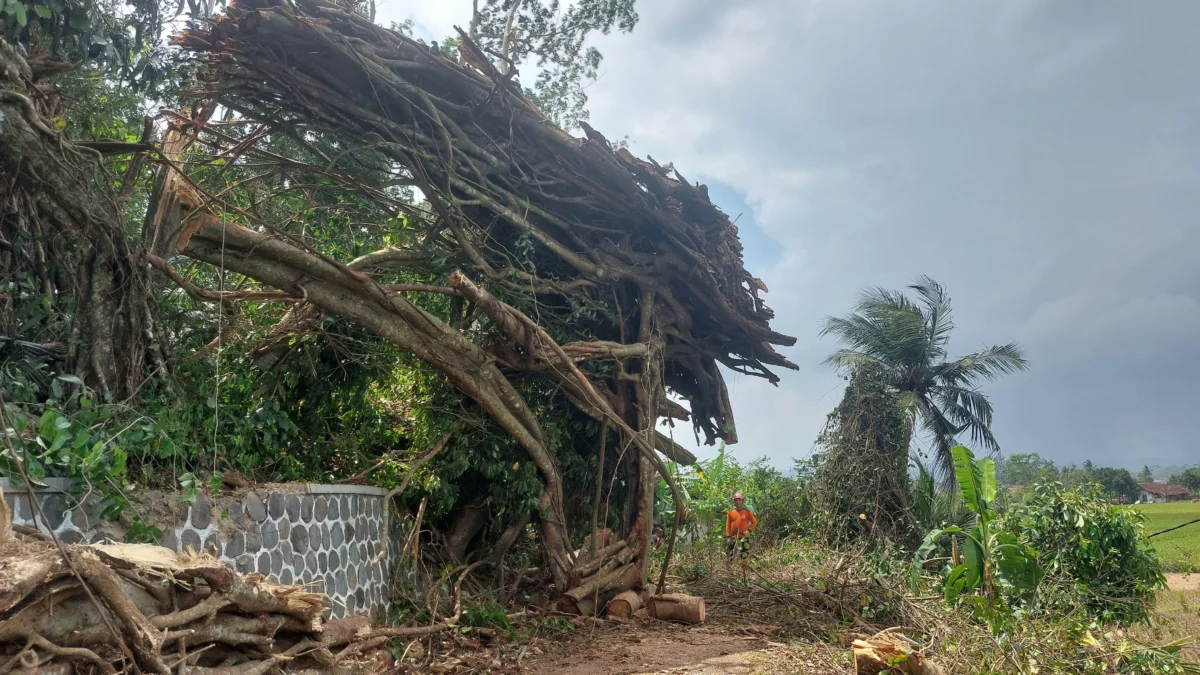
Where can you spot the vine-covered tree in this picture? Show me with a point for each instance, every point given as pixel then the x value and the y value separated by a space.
pixel 905 341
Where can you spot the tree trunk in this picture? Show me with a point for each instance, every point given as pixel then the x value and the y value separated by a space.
pixel 51 187
pixel 5 519
pixel 468 524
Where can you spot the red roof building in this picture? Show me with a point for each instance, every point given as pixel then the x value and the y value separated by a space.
pixel 1162 492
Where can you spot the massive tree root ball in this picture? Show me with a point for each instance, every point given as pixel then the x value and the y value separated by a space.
pixel 567 259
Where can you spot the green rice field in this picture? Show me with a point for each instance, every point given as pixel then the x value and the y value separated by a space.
pixel 1180 550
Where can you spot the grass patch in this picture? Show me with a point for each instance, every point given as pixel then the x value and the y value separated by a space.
pixel 1179 550
pixel 1176 617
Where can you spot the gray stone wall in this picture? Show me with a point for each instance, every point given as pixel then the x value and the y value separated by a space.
pixel 322 537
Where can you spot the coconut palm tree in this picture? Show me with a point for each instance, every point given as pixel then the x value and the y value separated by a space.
pixel 905 339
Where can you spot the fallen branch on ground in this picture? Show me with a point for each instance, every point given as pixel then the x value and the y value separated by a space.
pixel 173 612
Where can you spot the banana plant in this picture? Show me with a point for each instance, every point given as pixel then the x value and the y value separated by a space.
pixel 990 557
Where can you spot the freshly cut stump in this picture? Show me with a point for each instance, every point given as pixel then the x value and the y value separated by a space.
pixel 677 607
pixel 886 653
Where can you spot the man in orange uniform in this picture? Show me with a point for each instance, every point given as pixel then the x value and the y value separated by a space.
pixel 739 523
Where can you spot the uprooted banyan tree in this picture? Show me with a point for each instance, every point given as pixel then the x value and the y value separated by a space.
pixel 611 278
pixel 659 264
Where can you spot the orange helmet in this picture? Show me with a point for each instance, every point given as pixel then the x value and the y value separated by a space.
pixel 738 495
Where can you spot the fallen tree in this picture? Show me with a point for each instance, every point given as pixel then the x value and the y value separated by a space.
pixel 524 215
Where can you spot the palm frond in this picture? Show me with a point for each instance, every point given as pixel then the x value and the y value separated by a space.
pixel 985 364
pixel 868 335
pixel 943 432
pixel 851 360
pixel 970 411
pixel 905 339
pixel 886 325
pixel 938 313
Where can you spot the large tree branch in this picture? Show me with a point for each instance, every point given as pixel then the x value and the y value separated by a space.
pixel 336 290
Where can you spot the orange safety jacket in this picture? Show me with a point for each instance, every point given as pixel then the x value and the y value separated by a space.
pixel 738 523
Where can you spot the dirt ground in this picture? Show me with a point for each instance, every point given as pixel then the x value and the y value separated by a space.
pixel 664 649
pixel 1183 582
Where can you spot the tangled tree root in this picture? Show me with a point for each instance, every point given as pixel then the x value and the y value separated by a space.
pixel 112 608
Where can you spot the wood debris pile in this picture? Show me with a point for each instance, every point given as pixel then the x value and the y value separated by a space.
pixel 143 608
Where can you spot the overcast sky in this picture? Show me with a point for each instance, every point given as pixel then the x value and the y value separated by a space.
pixel 1040 159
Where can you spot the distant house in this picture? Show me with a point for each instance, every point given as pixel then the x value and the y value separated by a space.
pixel 1153 493
pixel 1015 489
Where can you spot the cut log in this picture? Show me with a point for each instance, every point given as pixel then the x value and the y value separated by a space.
pixel 887 653
pixel 677 607
pixel 623 606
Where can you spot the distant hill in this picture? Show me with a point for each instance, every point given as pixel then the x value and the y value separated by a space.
pixel 1162 474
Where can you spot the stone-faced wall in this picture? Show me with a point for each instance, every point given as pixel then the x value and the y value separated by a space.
pixel 323 537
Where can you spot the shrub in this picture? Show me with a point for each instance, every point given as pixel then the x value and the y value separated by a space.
pixel 1092 551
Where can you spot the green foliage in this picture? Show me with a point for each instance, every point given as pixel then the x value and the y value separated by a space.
pixel 1114 483
pixel 124 41
pixel 1188 478
pixel 993 560
pixel 1031 469
pixel 551 38
pixel 1049 572
pixel 140 532
pixel 1145 475
pixel 487 615
pixel 933 507
pixel 1026 470
pixel 1094 552
pixel 53 444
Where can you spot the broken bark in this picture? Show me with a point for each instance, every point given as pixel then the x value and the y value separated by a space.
pixel 888 653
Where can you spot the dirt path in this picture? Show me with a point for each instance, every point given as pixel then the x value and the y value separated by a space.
pixel 630 649
pixel 1183 582
pixel 666 649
